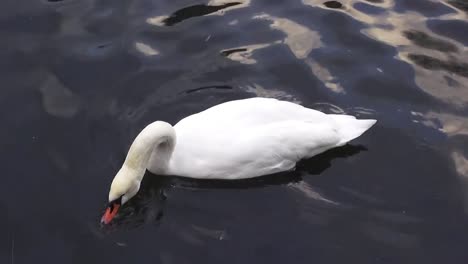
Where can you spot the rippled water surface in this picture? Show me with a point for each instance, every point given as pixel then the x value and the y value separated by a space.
pixel 79 79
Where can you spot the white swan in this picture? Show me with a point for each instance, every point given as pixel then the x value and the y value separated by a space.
pixel 233 140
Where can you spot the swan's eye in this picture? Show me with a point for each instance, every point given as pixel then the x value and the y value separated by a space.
pixel 117 201
pixel 113 204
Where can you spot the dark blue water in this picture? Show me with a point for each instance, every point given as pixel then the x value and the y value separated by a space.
pixel 79 79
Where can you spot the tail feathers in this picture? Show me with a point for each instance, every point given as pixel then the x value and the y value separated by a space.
pixel 350 128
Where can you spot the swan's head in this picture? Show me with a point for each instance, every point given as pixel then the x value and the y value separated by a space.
pixel 124 186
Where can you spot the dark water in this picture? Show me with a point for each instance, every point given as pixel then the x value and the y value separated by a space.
pixel 79 79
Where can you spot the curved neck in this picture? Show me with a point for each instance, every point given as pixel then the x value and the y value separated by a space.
pixel 156 141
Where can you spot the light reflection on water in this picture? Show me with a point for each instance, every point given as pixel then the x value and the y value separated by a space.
pixel 80 78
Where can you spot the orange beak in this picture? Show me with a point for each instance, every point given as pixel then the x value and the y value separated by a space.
pixel 110 213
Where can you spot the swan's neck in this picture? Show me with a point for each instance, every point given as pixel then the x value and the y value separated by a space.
pixel 155 142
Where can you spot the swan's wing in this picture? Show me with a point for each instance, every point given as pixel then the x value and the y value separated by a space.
pixel 251 151
pixel 278 146
pixel 258 136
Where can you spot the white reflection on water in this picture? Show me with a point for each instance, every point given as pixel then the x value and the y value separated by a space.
pixel 438 83
pixel 156 20
pixel 57 99
pixel 453 126
pixel 245 57
pixel 461 165
pixel 146 49
pixel 389 26
pixel 325 76
pixel 159 20
pixel 242 4
pixel 305 189
pixel 300 39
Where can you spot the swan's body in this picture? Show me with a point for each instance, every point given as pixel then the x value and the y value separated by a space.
pixel 234 140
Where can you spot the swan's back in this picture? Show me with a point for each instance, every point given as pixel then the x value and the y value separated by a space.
pixel 257 136
pixel 254 111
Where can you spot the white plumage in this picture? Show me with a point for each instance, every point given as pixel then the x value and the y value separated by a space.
pixel 254 137
pixel 234 140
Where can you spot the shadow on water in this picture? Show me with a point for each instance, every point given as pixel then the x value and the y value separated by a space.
pixel 219 87
pixel 424 40
pixel 460 4
pixel 228 52
pixel 147 207
pixel 195 11
pixel 430 63
pixel 333 4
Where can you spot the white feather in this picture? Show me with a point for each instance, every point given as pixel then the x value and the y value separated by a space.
pixel 254 137
pixel 235 140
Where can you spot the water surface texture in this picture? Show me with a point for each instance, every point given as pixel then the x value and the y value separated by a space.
pixel 79 80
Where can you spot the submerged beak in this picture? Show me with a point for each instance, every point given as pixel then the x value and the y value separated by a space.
pixel 110 213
